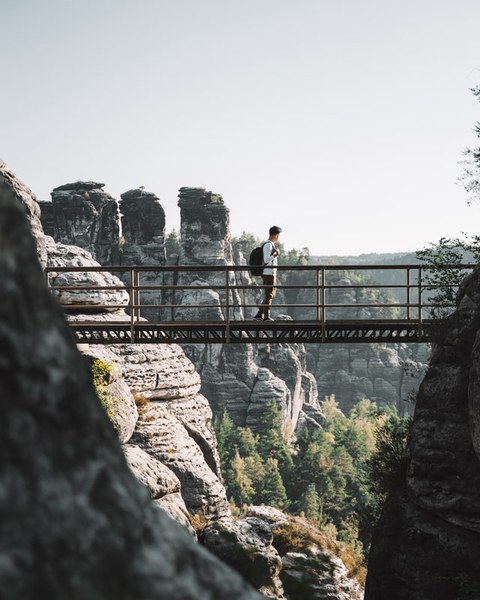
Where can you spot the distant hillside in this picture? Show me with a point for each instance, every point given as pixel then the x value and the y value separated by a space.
pixel 392 258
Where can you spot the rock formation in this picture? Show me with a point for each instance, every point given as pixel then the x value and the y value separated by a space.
pixel 205 228
pixel 85 215
pixel 286 557
pixel 85 298
pixel 175 424
pixel 389 374
pixel 13 189
pixel 427 544
pixel 75 522
pixel 143 230
pixel 47 217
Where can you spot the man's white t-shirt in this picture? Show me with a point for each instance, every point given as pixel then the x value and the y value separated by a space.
pixel 269 259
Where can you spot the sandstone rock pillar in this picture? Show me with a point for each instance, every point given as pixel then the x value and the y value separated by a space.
pixel 143 230
pixel 85 215
pixel 205 240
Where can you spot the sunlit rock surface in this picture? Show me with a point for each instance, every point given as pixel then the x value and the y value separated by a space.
pixel 89 299
pixel 163 485
pixel 162 435
pixel 12 188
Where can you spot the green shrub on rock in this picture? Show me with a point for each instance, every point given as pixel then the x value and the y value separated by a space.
pixel 102 372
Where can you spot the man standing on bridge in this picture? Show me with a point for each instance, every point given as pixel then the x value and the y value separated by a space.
pixel 269 275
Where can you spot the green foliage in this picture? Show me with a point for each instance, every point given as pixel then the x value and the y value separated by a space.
pixel 254 468
pixel 441 282
pixel 386 468
pixel 310 504
pixel 470 178
pixel 102 373
pixel 245 244
pixel 272 491
pixel 172 243
pixel 240 485
pixel 272 442
pixel 325 477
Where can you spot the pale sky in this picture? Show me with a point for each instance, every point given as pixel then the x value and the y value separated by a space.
pixel 342 121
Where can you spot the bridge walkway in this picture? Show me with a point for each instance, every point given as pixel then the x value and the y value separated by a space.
pixel 210 304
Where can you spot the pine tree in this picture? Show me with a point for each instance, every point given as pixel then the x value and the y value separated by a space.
pixel 226 438
pixel 310 504
pixel 240 486
pixel 273 491
pixel 271 442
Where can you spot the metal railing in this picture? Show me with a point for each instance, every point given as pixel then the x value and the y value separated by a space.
pixel 325 294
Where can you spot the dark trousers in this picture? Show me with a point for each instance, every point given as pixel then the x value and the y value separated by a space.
pixel 270 293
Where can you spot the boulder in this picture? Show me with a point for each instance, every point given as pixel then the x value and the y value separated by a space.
pixel 312 566
pixel 121 408
pixel 89 299
pixel 158 371
pixel 162 483
pixel 246 545
pixel 317 575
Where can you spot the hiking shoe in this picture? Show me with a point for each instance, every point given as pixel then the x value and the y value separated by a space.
pixel 258 318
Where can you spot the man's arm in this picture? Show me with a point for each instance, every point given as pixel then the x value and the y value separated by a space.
pixel 268 252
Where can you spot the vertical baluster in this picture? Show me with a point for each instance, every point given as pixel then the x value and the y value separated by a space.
pixel 227 305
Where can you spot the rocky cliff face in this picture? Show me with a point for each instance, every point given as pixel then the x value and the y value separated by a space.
pixel 14 191
pixel 427 544
pixel 74 521
pixel 205 228
pixel 389 374
pixel 143 229
pixel 85 215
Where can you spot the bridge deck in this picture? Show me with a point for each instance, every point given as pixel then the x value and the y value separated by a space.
pixel 253 332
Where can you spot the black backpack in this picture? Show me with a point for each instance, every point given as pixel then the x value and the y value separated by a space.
pixel 256 260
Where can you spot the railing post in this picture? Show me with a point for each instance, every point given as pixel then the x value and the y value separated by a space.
pixel 132 303
pixel 227 305
pixel 420 304
pixel 408 294
pixel 137 294
pixel 318 297
pixel 324 308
